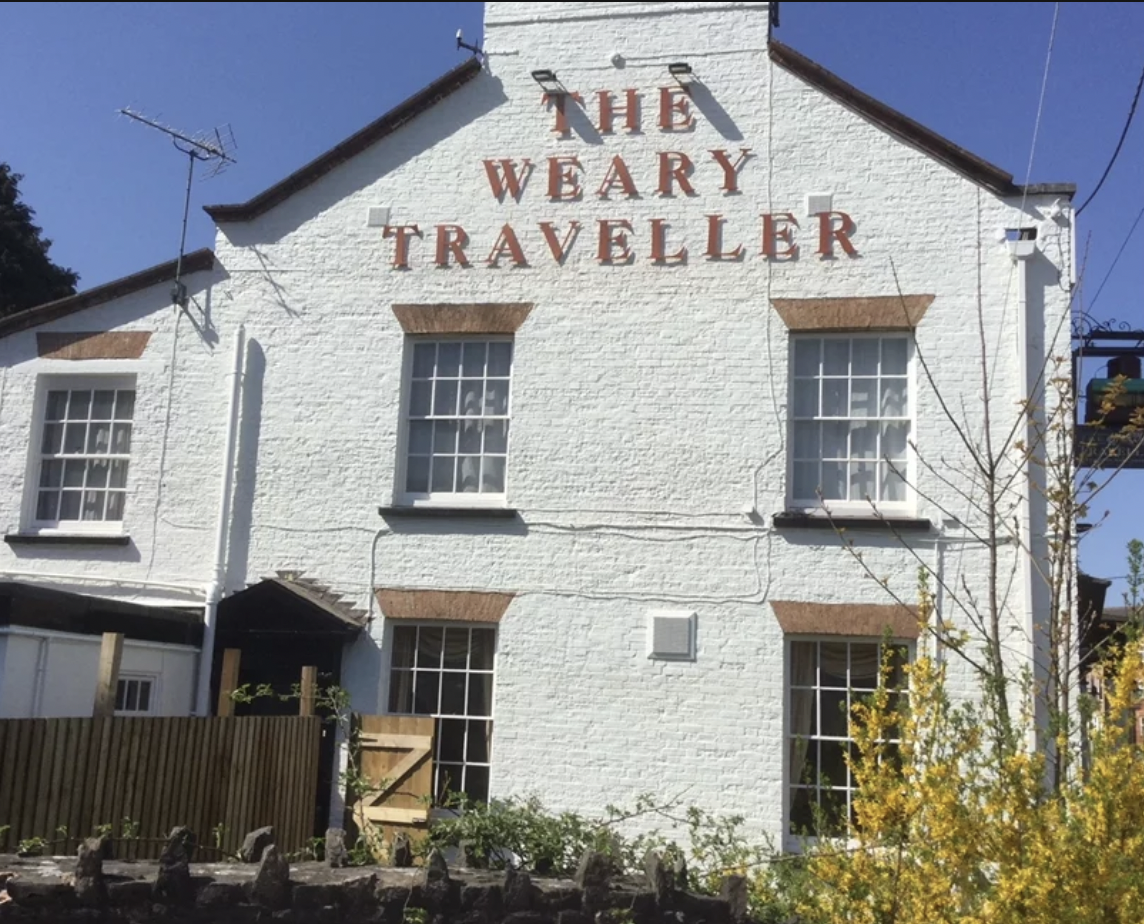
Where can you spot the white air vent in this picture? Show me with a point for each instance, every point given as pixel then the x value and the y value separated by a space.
pixel 378 216
pixel 817 203
pixel 671 635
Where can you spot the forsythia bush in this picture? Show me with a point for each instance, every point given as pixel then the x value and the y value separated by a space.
pixel 956 824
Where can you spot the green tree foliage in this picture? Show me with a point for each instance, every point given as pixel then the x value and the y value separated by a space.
pixel 28 277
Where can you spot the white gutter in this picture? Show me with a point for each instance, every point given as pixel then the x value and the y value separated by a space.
pixel 216 587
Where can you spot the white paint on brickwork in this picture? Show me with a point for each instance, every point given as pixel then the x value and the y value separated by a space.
pixel 649 402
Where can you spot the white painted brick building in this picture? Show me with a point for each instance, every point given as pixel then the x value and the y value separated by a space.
pixel 754 254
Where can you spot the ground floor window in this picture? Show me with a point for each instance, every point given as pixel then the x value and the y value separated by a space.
pixel 135 694
pixel 825 678
pixel 447 672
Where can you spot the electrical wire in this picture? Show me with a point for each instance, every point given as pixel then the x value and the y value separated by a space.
pixel 1119 145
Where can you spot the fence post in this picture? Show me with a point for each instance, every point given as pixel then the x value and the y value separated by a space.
pixel 309 690
pixel 110 656
pixel 228 683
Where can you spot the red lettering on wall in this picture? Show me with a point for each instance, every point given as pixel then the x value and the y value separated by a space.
pixel 675 110
pixel 563 183
pixel 715 241
pixel 618 173
pixel 613 234
pixel 504 177
pixel 451 241
pixel 559 247
pixel 779 228
pixel 659 252
pixel 401 235
pixel 829 232
pixel 675 167
pixel 507 245
pixel 609 110
pixel 558 102
pixel 731 168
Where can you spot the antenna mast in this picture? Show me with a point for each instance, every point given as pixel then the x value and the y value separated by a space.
pixel 213 147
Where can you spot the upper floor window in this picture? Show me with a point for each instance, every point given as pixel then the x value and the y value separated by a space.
pixel 457 418
pixel 83 452
pixel 851 413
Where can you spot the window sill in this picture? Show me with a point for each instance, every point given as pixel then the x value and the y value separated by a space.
pixel 795 520
pixel 67 539
pixel 429 512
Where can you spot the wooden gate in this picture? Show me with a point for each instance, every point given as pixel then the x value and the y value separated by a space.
pixel 396 755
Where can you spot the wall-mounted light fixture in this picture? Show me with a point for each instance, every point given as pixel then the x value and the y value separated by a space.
pixel 548 81
pixel 681 71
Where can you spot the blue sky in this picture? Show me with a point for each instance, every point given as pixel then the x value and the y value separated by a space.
pixel 292 79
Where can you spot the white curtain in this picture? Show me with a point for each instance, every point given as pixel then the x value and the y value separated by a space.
pixel 803 660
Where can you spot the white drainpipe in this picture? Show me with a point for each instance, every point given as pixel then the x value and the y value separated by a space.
pixel 216 587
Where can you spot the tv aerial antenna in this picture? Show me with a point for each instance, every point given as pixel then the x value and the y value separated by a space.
pixel 213 148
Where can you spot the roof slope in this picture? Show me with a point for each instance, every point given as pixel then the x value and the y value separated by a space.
pixel 193 262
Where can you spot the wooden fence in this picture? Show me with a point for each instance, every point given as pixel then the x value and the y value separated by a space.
pixel 60 779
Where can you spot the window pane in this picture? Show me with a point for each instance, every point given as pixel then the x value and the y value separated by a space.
pixel 806 353
pixel 496 398
pixel 832 664
pixel 445 398
pixel 864 441
pixel 835 399
pixel 492 475
pixel 835 718
pixel 420 399
pixel 834 480
pixel 124 405
pixel 75 438
pixel 74 470
pixel 118 474
pixel 453 693
pixel 114 505
pixel 893 484
pixel 120 694
pixel 894 398
pixel 899 658
pixel 121 439
pixel 472 397
pixel 425 696
pixel 80 405
pixel 57 405
pixel 864 666
pixel 420 437
pixel 802 811
pixel 496 436
pixel 443 474
pixel 483 646
pixel 863 481
pixel 834 812
pixel 401 692
pixel 145 696
pixel 445 437
pixel 894 355
pixel 803 715
pixel 836 357
pixel 477 783
pixel 53 438
pixel 895 440
pixel 477 746
pixel 448 360
pixel 832 769
pixel 500 360
pixel 480 694
pixel 805 480
pixel 131 701
pixel 806 398
pixel 451 747
pixel 417 475
pixel 429 645
pixel 456 649
pixel 864 397
pixel 97 471
pixel 93 504
pixel 468 474
pixel 69 505
pixel 835 439
pixel 864 356
pixel 404 645
pixel 98 438
pixel 473 360
pixel 47 505
pixel 470 437
pixel 806 440
pixel 103 405
pixel 449 779
pixel 424 357
pixel 51 473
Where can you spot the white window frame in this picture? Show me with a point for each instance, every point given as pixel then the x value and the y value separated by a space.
pixel 438 716
pixel 860 507
pixel 792 841
pixel 63 382
pixel 454 498
pixel 153 701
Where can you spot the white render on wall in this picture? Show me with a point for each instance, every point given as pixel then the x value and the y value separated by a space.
pixel 649 402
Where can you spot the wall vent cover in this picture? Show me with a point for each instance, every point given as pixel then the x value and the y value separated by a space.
pixel 671 635
pixel 378 216
pixel 817 203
